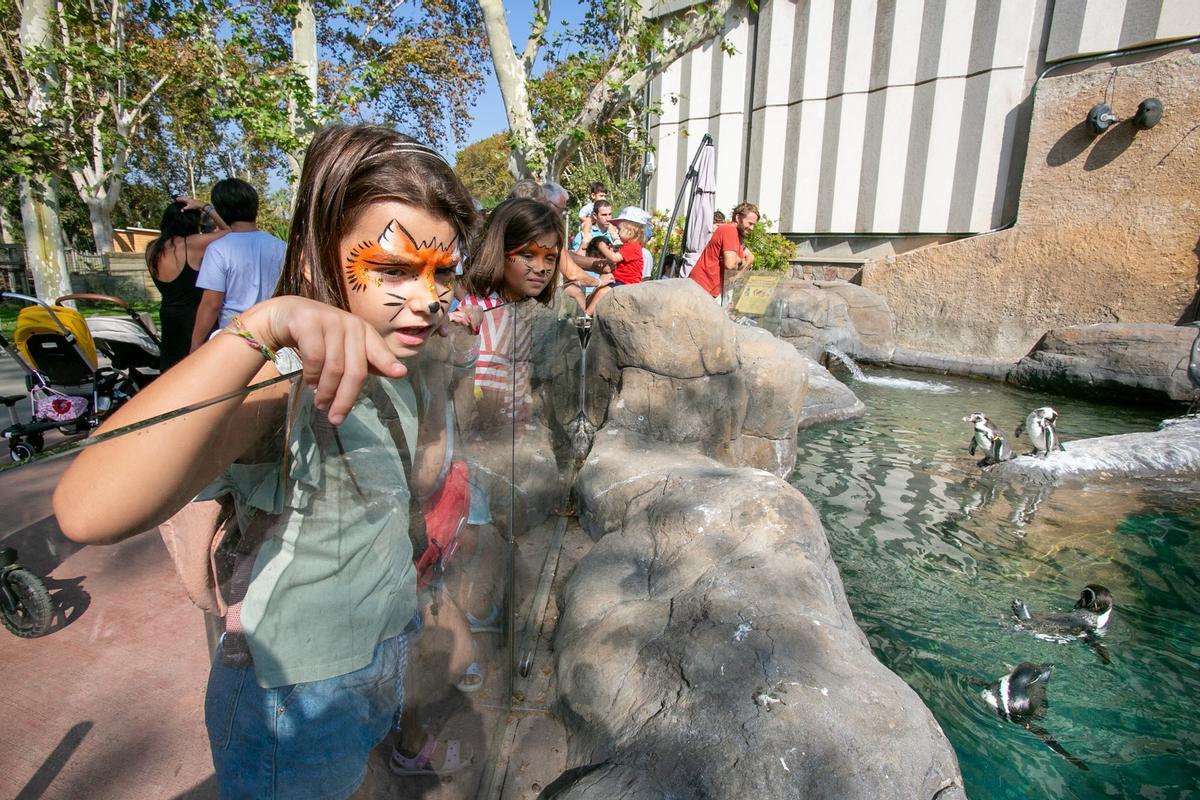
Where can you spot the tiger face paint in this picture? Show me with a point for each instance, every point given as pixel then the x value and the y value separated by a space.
pixel 396 252
pixel 398 263
pixel 528 269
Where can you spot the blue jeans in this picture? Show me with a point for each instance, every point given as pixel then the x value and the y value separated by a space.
pixel 306 740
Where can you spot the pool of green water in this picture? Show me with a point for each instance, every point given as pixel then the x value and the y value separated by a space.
pixel 932 550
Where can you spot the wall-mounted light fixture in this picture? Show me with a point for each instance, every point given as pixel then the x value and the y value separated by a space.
pixel 1100 117
pixel 1149 112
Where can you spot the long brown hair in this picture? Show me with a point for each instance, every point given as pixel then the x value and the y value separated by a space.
pixel 346 168
pixel 510 225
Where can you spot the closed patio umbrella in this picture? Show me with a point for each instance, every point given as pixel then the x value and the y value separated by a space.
pixel 698 228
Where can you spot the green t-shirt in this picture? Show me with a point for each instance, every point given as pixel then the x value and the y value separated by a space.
pixel 335 576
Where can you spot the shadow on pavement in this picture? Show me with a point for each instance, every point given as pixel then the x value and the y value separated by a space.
pixel 54 762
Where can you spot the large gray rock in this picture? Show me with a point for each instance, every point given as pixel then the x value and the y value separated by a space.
pixel 872 319
pixel 1133 361
pixel 828 399
pixel 706 649
pixel 672 328
pixel 776 378
pixel 1172 451
pixel 813 316
pixel 666 362
pixel 809 318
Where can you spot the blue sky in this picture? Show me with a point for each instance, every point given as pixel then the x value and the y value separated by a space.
pixel 488 115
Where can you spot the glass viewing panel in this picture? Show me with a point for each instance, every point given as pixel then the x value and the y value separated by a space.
pixel 319 560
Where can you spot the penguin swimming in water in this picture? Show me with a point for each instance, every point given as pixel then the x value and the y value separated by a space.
pixel 1040 424
pixel 1087 620
pixel 1020 697
pixel 988 438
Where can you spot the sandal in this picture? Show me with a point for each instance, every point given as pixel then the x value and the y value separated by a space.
pixel 423 762
pixel 489 624
pixel 471 679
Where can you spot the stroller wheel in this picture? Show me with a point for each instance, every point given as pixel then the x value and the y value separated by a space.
pixel 26 447
pixel 20 451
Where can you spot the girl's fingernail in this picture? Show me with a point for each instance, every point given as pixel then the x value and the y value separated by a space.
pixel 336 419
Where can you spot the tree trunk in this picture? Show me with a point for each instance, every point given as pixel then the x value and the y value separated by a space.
pixel 526 158
pixel 8 225
pixel 100 215
pixel 301 115
pixel 44 252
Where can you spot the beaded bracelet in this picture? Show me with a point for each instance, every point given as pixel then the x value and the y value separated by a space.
pixel 236 328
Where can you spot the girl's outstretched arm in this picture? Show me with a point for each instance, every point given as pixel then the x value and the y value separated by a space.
pixel 132 483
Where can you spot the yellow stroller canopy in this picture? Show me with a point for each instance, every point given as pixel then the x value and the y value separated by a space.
pixel 38 321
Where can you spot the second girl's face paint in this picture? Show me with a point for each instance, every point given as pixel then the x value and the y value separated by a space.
pixel 399 266
pixel 529 268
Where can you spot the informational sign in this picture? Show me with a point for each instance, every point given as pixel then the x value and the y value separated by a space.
pixel 756 295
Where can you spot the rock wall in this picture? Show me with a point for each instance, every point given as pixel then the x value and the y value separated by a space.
pixel 1107 228
pixel 705 646
pixel 1131 362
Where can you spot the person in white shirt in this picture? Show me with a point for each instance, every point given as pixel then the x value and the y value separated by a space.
pixel 239 270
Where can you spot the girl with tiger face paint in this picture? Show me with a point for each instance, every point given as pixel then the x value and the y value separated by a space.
pixel 366 280
pixel 517 253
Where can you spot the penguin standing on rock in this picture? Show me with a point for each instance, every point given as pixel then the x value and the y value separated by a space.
pixel 1020 697
pixel 1087 620
pixel 989 439
pixel 1040 424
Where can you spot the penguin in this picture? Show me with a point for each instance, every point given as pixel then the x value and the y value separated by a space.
pixel 1020 697
pixel 1040 424
pixel 988 438
pixel 1087 620
pixel 1021 694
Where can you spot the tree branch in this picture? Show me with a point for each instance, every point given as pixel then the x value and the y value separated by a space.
pixel 616 89
pixel 537 32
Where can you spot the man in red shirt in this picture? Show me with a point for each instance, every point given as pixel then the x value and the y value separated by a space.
pixel 725 252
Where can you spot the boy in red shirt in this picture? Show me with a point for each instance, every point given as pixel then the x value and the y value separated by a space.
pixel 725 251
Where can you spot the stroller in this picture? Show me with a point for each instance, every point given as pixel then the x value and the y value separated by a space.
pixel 66 386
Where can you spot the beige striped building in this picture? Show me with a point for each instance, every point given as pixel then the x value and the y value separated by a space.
pixel 866 123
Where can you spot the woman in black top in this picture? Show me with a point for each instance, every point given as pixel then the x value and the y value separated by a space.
pixel 174 263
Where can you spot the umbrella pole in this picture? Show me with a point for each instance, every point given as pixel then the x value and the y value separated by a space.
pixel 690 177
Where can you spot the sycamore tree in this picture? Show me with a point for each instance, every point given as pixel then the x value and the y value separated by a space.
pixel 635 48
pixel 28 137
pixel 417 67
pixel 98 67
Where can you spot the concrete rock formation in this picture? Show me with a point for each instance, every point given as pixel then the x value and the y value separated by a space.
pixel 665 362
pixel 814 315
pixel 777 392
pixel 1171 451
pixel 706 648
pixel 872 319
pixel 705 645
pixel 1106 230
pixel 828 399
pixel 1132 361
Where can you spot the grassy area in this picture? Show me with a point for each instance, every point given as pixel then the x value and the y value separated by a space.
pixel 9 310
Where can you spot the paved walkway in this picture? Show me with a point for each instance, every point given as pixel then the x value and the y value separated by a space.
pixel 110 703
